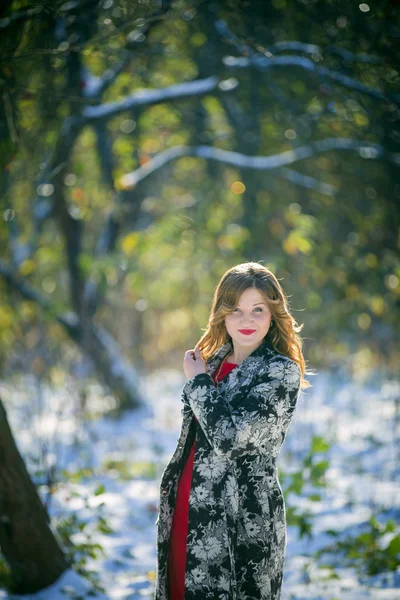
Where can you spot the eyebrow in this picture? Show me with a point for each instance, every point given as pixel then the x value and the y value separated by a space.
pixel 258 303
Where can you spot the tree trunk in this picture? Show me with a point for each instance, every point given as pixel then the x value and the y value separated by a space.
pixel 26 540
pixel 116 372
pixel 99 346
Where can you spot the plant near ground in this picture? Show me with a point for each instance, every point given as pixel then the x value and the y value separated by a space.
pixel 375 550
pixel 311 473
pixel 76 537
pixel 5 574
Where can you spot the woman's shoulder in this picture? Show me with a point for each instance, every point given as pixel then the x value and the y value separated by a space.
pixel 276 361
pixel 220 351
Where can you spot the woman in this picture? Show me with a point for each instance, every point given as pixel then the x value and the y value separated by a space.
pixel 222 520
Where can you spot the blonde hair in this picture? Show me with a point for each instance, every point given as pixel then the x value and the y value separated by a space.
pixel 283 332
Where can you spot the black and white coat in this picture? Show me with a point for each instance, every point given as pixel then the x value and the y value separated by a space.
pixel 236 540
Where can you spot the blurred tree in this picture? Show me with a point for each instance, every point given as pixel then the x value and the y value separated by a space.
pixel 140 138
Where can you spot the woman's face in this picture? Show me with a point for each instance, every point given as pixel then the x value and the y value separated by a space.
pixel 251 313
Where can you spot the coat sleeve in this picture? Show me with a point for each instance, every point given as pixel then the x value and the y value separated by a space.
pixel 253 422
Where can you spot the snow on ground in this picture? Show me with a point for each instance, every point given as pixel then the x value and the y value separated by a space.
pixel 127 457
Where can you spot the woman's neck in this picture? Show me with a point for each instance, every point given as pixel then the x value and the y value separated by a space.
pixel 238 357
pixel 231 359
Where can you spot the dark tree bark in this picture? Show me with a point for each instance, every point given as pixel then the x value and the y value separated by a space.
pixel 26 540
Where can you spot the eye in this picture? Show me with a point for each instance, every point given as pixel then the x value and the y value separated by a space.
pixel 257 307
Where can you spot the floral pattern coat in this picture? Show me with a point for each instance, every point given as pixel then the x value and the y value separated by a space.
pixel 236 540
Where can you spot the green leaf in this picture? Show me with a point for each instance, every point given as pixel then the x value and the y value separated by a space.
pixel 100 490
pixel 393 547
pixel 319 444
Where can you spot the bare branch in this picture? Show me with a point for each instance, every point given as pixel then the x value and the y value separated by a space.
pixel 263 163
pixel 19 250
pixel 22 15
pixel 68 320
pixel 263 59
pixel 351 57
pixel 107 238
pixel 198 87
pixel 105 354
pixel 44 201
pixel 263 63
pixel 93 86
pixel 226 33
pixel 295 46
pixel 307 181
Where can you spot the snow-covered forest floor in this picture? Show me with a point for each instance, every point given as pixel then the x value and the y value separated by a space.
pixel 107 474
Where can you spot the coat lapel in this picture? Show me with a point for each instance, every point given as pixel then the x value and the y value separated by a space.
pixel 245 372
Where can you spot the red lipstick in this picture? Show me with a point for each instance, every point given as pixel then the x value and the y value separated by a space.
pixel 247 331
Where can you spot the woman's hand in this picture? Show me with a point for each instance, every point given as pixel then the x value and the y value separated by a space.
pixel 193 364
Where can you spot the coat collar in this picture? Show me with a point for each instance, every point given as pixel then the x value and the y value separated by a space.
pixel 265 349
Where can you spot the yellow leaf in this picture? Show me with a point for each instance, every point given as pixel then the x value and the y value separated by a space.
pixel 364 321
pixel 295 243
pixel 130 242
pixel 377 304
pixel 198 39
pixel 27 267
pixel 352 292
pixel 361 119
pixel 6 317
pixel 371 260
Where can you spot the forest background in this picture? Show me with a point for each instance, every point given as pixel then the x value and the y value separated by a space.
pixel 148 146
pixel 131 143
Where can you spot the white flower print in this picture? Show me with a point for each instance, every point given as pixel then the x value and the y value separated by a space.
pixel 258 437
pixel 265 585
pixel 276 562
pixel 225 430
pixel 263 576
pixel 201 493
pixel 208 548
pixel 197 575
pixel 268 390
pixel 265 496
pixel 280 531
pixel 252 529
pixel 254 365
pixel 212 467
pixel 165 517
pixel 275 431
pixel 280 408
pixel 199 393
pixel 221 596
pixel 224 583
pixel 289 371
pixel 276 369
pixel 244 433
pixel 266 483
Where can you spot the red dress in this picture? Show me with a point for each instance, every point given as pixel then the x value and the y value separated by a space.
pixel 179 531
